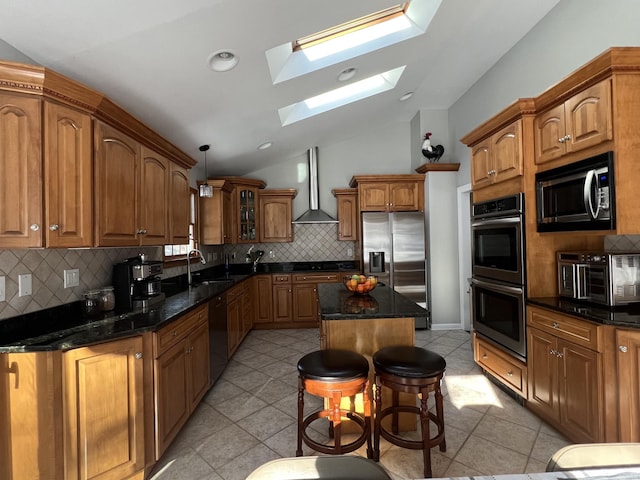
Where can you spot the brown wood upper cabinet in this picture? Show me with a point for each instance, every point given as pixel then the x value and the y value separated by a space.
pixel 68 170
pixel 179 205
pixel 216 215
pixel 275 207
pixel 20 172
pixel 498 157
pixel 347 199
pixel 389 193
pixel 245 208
pixel 582 121
pixel 69 179
pixel 135 187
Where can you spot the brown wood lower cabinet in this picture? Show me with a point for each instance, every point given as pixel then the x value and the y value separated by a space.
pixel 104 412
pixel 628 370
pixel 181 373
pixel 293 300
pixel 239 315
pixel 565 379
pixel 510 371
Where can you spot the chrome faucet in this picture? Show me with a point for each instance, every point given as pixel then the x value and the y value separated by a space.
pixel 202 261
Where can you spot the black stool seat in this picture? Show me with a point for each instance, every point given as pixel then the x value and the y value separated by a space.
pixel 331 364
pixel 406 361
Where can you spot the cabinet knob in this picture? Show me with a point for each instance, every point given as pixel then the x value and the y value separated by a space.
pixel 175 333
pixel 484 355
pixel 622 348
pixel 567 137
pixel 555 325
pixel 54 227
pixel 142 231
pixel 34 227
pixel 552 352
pixel 138 355
pixel 561 140
pixel 510 373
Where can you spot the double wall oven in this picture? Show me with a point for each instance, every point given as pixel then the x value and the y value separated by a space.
pixel 498 272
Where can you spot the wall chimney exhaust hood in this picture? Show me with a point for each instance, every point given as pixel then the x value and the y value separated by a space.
pixel 314 214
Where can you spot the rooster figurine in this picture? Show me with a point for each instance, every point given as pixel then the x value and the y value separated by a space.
pixel 431 152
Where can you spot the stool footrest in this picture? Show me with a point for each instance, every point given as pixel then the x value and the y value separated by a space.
pixel 411 444
pixel 358 419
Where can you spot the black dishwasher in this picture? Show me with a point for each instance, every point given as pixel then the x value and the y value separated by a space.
pixel 217 336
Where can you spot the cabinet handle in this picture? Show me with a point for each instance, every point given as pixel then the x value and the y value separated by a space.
pixel 138 355
pixel 555 325
pixel 510 373
pixel 484 355
pixel 54 227
pixel 622 348
pixel 142 231
pixel 34 227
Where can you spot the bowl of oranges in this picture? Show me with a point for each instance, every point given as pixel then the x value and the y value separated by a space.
pixel 361 284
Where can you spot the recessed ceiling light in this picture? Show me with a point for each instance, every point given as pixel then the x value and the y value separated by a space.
pixel 223 60
pixel 406 96
pixel 265 145
pixel 347 74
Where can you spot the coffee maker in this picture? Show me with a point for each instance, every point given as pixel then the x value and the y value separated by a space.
pixel 136 283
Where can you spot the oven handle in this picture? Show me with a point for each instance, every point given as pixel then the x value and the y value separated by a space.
pixel 588 203
pixel 496 221
pixel 497 286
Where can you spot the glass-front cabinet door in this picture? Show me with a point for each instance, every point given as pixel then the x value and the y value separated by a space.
pixel 247 221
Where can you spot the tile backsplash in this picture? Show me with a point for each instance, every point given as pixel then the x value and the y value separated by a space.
pixel 311 243
pixel 622 243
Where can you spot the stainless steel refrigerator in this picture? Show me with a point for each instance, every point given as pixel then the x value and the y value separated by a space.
pixel 393 248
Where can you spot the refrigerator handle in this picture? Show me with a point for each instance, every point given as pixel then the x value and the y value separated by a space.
pixel 376 262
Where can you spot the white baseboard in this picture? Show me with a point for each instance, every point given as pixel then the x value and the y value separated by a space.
pixel 446 326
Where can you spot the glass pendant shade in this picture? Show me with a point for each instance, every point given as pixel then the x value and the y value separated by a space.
pixel 205 190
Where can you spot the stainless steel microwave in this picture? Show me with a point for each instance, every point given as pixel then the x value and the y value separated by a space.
pixel 579 196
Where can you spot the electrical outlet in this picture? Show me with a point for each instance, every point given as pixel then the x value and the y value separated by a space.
pixel 71 278
pixel 24 285
pixel 272 254
pixel 2 289
pixel 214 256
pixel 349 252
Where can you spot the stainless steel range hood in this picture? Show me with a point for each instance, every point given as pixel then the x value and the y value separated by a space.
pixel 314 214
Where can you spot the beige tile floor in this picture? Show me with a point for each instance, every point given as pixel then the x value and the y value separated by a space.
pixel 249 417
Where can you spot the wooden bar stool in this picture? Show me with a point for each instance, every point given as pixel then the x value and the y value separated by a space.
pixel 334 375
pixel 411 370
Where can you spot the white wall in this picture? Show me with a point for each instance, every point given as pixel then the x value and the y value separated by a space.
pixel 383 150
pixel 8 52
pixel 573 33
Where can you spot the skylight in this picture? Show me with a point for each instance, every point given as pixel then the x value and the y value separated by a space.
pixel 349 40
pixel 340 96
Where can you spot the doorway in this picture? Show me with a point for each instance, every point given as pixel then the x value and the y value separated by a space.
pixel 464 254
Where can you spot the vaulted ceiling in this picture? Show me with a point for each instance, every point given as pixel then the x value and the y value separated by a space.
pixel 152 58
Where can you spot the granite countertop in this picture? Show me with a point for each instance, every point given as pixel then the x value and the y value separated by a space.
pixel 624 316
pixel 337 303
pixel 66 326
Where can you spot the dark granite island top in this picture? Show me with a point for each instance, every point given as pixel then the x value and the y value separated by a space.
pixel 337 303
pixel 367 323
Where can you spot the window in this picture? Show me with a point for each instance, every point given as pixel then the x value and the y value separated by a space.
pixel 173 253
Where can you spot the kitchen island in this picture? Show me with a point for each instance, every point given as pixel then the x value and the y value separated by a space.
pixel 366 323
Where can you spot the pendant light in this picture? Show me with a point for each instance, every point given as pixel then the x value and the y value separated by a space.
pixel 205 190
